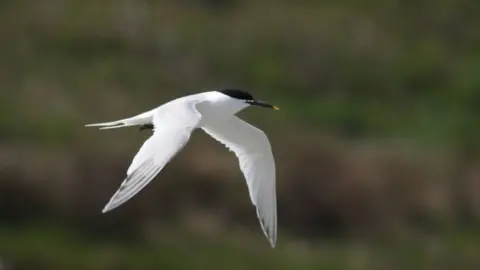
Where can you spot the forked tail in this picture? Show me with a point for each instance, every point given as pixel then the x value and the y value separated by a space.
pixel 141 119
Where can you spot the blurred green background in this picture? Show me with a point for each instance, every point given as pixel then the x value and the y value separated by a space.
pixel 377 142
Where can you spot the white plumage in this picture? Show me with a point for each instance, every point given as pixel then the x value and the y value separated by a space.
pixel 214 112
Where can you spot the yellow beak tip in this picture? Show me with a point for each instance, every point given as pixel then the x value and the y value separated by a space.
pixel 276 108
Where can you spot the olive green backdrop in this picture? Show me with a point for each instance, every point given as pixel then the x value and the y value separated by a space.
pixel 377 141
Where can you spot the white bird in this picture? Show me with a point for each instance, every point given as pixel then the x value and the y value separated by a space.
pixel 214 112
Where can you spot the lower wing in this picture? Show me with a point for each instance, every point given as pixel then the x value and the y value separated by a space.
pixel 254 153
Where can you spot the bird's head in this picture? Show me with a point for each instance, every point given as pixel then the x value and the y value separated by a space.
pixel 246 97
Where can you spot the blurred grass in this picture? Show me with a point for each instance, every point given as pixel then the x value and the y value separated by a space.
pixel 391 69
pixel 378 128
pixel 52 247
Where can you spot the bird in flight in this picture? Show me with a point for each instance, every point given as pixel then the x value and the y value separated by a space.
pixel 213 112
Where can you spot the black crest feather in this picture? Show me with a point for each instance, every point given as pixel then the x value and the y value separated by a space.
pixel 237 93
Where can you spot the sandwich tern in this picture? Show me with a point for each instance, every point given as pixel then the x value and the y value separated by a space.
pixel 213 112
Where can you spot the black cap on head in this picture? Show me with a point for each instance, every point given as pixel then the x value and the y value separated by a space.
pixel 236 93
pixel 245 96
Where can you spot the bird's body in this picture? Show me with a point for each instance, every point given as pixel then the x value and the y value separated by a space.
pixel 214 112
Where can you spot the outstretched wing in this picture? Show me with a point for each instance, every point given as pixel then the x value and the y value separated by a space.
pixel 173 127
pixel 252 148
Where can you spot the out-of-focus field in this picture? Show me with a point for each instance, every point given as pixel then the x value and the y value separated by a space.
pixel 377 142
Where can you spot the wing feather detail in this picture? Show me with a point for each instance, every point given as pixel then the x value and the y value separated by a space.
pixel 253 150
pixel 173 127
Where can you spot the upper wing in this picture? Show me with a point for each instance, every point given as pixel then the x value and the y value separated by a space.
pixel 254 152
pixel 173 127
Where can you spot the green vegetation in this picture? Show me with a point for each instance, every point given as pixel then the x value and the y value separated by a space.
pixel 377 136
pixel 396 69
pixel 55 248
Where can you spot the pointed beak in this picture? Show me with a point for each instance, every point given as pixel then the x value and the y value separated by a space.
pixel 262 104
